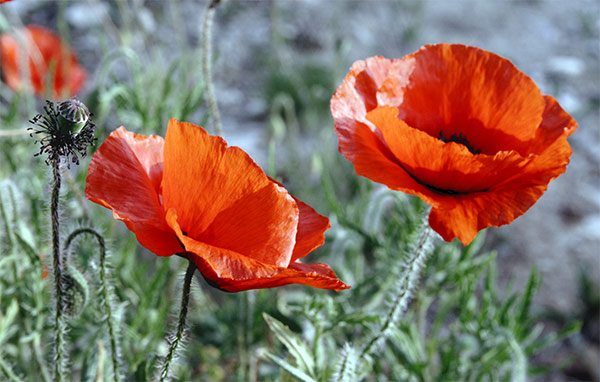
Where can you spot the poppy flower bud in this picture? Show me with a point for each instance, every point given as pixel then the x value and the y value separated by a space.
pixel 72 116
pixel 76 291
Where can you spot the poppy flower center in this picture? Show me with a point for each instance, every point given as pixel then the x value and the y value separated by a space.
pixel 459 138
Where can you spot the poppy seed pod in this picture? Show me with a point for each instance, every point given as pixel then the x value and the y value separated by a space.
pixel 64 130
pixel 72 116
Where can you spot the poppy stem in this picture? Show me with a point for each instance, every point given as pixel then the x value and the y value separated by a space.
pixel 246 301
pixel 407 285
pixel 185 298
pixel 105 292
pixel 206 66
pixel 59 322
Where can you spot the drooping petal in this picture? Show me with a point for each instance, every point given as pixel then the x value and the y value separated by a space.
pixel 124 175
pixel 316 275
pixel 216 263
pixel 234 272
pixel 446 167
pixel 311 230
pixel 224 199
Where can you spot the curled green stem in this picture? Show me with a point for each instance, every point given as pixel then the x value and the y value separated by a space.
pixel 178 337
pixel 105 292
pixel 59 322
pixel 206 65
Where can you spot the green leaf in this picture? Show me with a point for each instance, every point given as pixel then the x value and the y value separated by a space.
pixel 7 318
pixel 532 286
pixel 289 368
pixel 552 338
pixel 297 348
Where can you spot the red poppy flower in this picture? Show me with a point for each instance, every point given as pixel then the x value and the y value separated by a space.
pixel 458 126
pixel 47 58
pixel 192 195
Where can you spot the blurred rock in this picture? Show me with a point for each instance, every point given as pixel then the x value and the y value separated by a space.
pixel 565 65
pixel 86 14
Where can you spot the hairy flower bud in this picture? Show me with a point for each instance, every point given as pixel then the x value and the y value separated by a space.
pixel 76 291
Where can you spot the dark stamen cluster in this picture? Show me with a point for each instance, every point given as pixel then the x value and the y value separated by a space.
pixel 461 139
pixel 57 138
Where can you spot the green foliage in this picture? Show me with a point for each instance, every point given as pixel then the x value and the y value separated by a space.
pixel 151 96
pixel 458 327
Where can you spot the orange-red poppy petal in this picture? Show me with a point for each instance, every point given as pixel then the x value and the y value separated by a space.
pixel 224 199
pixel 446 167
pixel 9 60
pixel 372 158
pixel 454 85
pixel 316 275
pixel 124 175
pixel 215 262
pixel 47 57
pixel 233 272
pixel 474 134
pixel 311 230
pixel 456 88
pixel 505 202
pixel 556 123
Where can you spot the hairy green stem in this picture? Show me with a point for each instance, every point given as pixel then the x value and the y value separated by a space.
pixel 185 298
pixel 105 291
pixel 406 289
pixel 59 323
pixel 206 65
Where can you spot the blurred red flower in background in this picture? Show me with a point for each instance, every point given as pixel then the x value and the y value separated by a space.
pixel 190 194
pixel 460 127
pixel 48 59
